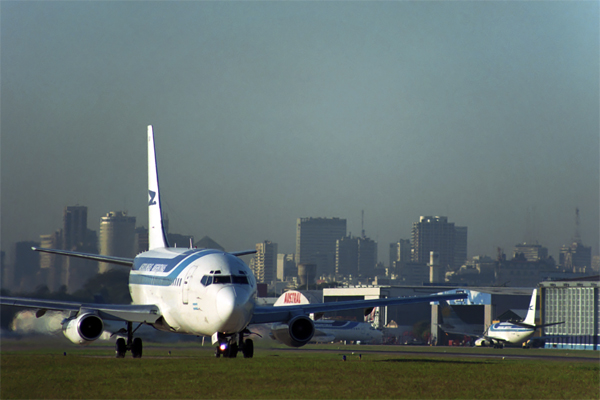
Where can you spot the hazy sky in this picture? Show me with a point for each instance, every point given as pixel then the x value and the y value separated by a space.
pixel 264 112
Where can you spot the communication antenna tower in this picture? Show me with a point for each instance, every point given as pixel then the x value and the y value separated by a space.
pixel 577 238
pixel 362 223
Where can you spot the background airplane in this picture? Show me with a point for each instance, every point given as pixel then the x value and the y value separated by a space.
pixel 190 291
pixel 515 333
pixel 327 330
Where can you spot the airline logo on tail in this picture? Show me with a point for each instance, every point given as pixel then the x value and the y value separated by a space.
pixel 152 198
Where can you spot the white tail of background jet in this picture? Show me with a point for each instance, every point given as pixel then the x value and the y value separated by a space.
pixel 530 317
pixel 157 237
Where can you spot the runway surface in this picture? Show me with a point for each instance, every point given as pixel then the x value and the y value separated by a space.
pixel 459 352
pixel 266 348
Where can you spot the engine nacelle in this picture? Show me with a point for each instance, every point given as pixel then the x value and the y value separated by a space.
pixel 84 329
pixel 296 333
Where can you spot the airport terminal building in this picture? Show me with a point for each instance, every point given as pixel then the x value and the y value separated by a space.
pixel 575 302
pixel 578 304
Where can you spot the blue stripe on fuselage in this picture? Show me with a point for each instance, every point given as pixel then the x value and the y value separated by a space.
pixel 154 268
pixel 508 328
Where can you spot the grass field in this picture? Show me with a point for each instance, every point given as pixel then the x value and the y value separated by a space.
pixel 37 371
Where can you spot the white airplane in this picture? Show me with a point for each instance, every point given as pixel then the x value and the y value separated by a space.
pixel 191 291
pixel 500 333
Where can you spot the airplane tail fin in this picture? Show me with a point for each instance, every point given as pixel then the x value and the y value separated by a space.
pixel 530 317
pixel 449 316
pixel 157 237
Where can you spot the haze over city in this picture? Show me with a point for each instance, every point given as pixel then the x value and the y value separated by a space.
pixel 265 112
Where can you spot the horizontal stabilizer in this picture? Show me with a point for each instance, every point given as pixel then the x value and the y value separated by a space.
pixel 127 262
pixel 243 252
pixel 524 325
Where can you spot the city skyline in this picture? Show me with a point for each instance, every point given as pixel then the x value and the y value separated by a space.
pixel 264 112
pixel 383 253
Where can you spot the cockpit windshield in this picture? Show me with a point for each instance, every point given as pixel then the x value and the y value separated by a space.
pixel 223 279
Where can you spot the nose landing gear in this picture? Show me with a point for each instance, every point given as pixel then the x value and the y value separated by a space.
pixel 228 346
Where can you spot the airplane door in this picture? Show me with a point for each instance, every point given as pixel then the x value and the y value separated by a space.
pixel 186 284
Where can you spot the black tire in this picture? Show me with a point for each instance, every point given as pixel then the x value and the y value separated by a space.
pixel 218 352
pixel 248 349
pixel 120 348
pixel 136 348
pixel 233 350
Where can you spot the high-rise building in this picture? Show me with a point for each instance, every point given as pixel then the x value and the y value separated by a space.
pixel 438 235
pixel 400 253
pixel 531 252
pixel 6 273
pixel 346 256
pixel 264 265
pixel 316 242
pixel 460 245
pixel 576 258
pixel 69 272
pixel 74 227
pixel 286 267
pixel 356 256
pixel 27 265
pixel 141 239
pixel 75 272
pixel 367 257
pixel 51 264
pixel 117 237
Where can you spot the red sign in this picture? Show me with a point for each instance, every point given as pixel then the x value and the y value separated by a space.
pixel 292 298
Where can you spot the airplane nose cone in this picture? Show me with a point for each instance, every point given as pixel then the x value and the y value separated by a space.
pixel 226 302
pixel 232 308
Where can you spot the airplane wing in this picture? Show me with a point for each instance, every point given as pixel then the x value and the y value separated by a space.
pixel 115 312
pixel 127 262
pixel 265 315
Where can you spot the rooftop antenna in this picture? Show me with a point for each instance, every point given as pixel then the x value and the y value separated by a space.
pixel 577 238
pixel 362 223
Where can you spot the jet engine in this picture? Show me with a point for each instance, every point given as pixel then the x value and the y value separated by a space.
pixel 296 333
pixel 83 329
pixel 482 342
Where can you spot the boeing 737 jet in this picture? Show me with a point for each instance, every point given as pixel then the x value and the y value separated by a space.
pixel 190 291
pixel 500 333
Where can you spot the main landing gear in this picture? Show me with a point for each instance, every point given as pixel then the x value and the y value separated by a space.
pixel 132 344
pixel 228 347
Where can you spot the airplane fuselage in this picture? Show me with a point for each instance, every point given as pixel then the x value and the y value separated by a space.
pixel 505 332
pixel 199 292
